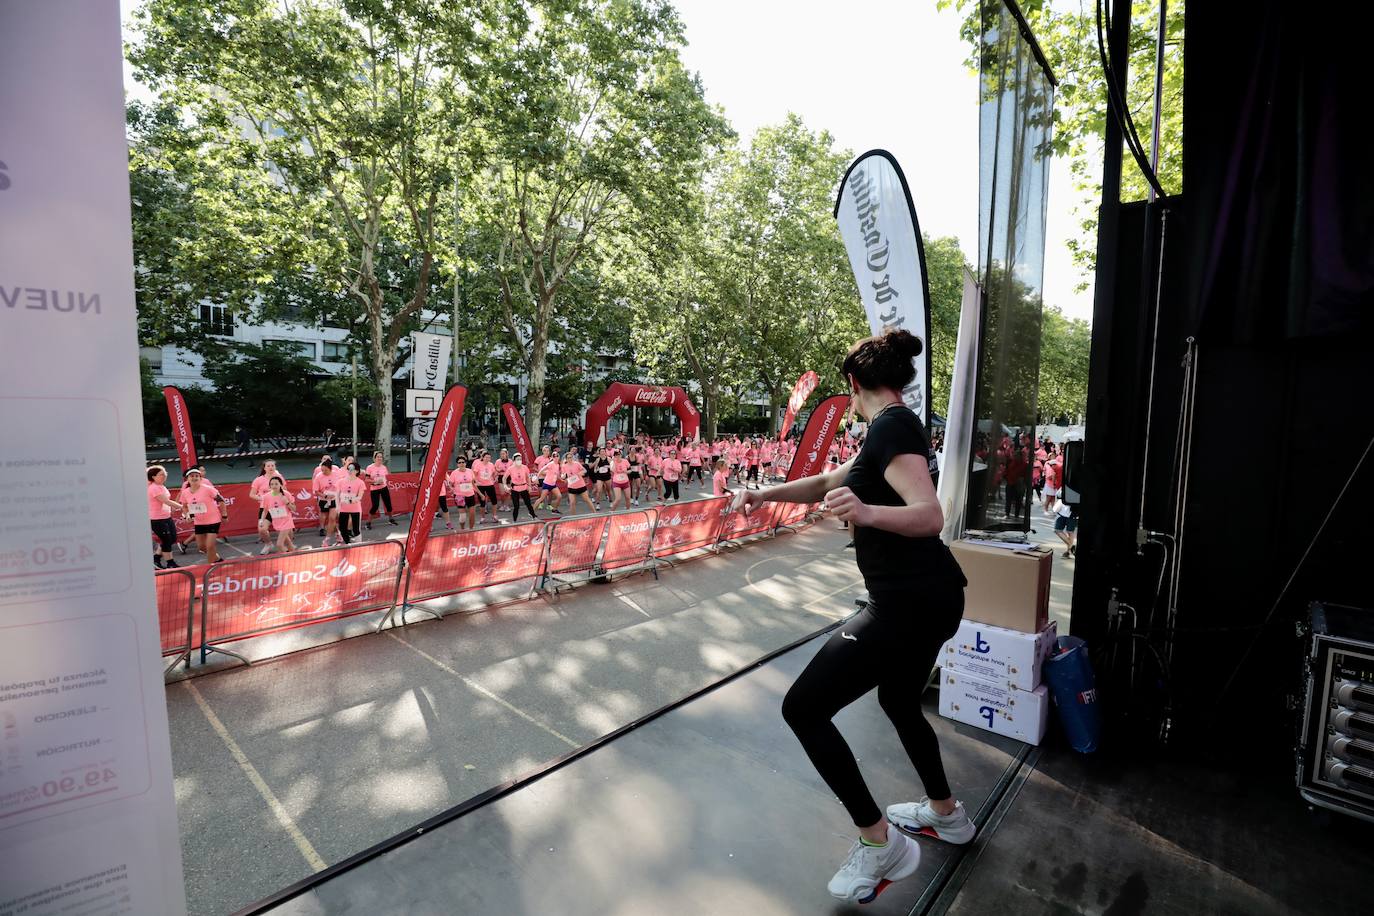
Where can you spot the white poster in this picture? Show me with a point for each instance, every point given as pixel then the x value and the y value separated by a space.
pixel 429 371
pixel 878 225
pixel 87 814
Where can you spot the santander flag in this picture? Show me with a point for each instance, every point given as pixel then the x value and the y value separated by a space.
pixel 878 224
pixel 516 423
pixel 815 441
pixel 800 392
pixel 181 427
pixel 431 484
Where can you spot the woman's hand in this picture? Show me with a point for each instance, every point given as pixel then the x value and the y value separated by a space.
pixel 746 501
pixel 847 507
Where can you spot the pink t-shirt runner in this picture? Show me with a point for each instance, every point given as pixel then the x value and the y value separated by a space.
pixel 575 473
pixel 486 473
pixel 540 461
pixel 200 504
pixel 672 469
pixel 376 475
pixel 519 477
pixel 351 495
pixel 156 508
pixel 718 479
pixel 551 471
pixel 694 456
pixel 279 510
pixel 463 482
pixel 654 465
pixel 260 487
pixel 620 471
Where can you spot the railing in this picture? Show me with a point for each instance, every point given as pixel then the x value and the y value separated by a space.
pixel 255 596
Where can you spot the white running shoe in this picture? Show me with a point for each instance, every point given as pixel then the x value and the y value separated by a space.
pixel 868 870
pixel 919 819
pixel 266 549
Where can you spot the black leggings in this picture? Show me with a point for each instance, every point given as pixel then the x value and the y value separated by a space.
pixel 694 470
pixel 378 498
pixel 894 650
pixel 670 489
pixel 517 497
pixel 348 525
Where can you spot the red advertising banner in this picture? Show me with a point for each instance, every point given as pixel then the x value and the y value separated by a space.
pixel 431 483
pixel 242 513
pixel 181 427
pixel 688 526
pixel 738 525
pixel 800 392
pixel 174 589
pixel 815 441
pixel 792 514
pixel 516 424
pixel 623 394
pixel 631 537
pixel 282 591
pixel 466 560
pixel 574 543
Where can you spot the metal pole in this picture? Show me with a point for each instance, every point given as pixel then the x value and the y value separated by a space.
pixel 634 421
pixel 1159 92
pixel 457 269
pixel 355 405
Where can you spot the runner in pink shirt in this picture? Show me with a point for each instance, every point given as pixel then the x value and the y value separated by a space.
pixel 620 480
pixel 695 463
pixel 160 506
pixel 548 483
pixel 351 492
pixel 485 471
pixel 503 500
pixel 202 504
pixel 257 491
pixel 719 481
pixel 573 471
pixel 672 470
pixel 542 459
pixel 653 468
pixel 464 485
pixel 279 505
pixel 376 474
pixel 751 458
pixel 325 487
pixel 517 477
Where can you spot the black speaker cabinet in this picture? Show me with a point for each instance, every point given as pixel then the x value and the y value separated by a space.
pixel 1335 752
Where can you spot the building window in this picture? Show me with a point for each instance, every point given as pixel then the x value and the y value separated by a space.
pixel 304 348
pixel 217 320
pixel 152 356
pixel 336 352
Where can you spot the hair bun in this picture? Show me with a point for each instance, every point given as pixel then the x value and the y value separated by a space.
pixel 902 342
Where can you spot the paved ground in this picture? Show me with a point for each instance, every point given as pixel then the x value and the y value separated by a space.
pixel 295 763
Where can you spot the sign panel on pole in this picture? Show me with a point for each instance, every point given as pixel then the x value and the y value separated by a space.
pixel 815 441
pixel 180 418
pixel 800 392
pixel 429 371
pixel 516 423
pixel 878 225
pixel 431 483
pixel 87 812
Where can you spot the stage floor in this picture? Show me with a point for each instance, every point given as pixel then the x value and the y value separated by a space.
pixel 709 808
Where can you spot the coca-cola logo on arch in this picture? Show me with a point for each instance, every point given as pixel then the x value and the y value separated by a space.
pixel 654 396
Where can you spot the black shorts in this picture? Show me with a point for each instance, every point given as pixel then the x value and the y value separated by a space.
pixel 604 478
pixel 263 515
pixel 325 505
pixel 489 491
pixel 443 503
pixel 208 529
pixel 634 475
pixel 577 491
pixel 1065 523
pixel 166 531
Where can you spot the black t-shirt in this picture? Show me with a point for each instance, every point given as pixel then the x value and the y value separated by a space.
pixel 894 563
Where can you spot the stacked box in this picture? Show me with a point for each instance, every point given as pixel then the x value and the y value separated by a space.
pixel 1019 714
pixel 1008 588
pixel 999 655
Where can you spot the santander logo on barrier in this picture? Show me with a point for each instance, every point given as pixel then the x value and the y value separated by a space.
pixel 462 551
pixel 230 584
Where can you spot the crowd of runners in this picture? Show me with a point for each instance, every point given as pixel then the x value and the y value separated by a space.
pixel 483 488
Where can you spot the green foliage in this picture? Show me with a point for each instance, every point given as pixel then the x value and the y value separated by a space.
pixel 945 265
pixel 1068 36
pixel 270 389
pixel 1065 345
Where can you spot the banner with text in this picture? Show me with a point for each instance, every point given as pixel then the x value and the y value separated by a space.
pixel 431 483
pixel 429 371
pixel 181 427
pixel 88 820
pixel 878 224
pixel 516 424
pixel 688 526
pixel 815 440
pixel 465 560
pixel 800 392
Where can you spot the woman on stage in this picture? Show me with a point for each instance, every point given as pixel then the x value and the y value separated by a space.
pixel 916 599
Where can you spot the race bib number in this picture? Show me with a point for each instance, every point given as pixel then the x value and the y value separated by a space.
pixel 277 511
pixel 331 495
pixel 194 509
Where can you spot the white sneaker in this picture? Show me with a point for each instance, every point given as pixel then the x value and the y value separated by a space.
pixel 918 818
pixel 266 549
pixel 870 869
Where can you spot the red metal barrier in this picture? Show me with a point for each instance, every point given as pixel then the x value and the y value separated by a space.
pixel 176 594
pixel 283 591
pixel 631 539
pixel 792 514
pixel 574 544
pixel 736 525
pixel 688 526
pixel 466 560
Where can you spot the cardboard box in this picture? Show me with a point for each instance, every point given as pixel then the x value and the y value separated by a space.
pixel 999 655
pixel 1006 588
pixel 1019 714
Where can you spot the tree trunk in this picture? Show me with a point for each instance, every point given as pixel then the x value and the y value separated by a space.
pixel 383 367
pixel 534 398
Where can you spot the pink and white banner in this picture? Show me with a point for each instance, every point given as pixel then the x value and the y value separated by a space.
pixel 800 392
pixel 516 424
pixel 180 416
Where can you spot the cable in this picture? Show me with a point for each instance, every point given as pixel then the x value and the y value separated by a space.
pixel 1118 104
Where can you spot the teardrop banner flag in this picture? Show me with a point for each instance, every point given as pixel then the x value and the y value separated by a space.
pixel 878 224
pixel 516 424
pixel 800 392
pixel 181 427
pixel 431 483
pixel 815 441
